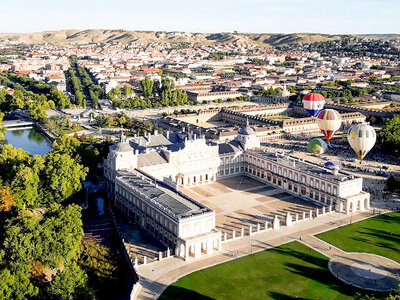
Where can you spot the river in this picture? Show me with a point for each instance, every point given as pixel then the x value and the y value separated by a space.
pixel 29 140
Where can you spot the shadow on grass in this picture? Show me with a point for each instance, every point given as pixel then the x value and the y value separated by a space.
pixel 318 261
pixel 382 235
pixel 322 276
pixel 281 296
pixel 180 293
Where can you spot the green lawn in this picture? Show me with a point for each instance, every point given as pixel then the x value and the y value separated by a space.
pixel 289 271
pixel 378 235
pixel 67 130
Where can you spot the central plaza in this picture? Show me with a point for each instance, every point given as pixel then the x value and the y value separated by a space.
pixel 240 202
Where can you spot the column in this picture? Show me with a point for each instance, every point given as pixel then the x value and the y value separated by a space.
pixel 186 251
pixel 288 219
pixel 276 223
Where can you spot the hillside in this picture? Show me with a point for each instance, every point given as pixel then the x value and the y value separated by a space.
pixel 124 36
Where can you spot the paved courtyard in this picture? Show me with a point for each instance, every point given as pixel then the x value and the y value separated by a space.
pixel 242 201
pixel 366 271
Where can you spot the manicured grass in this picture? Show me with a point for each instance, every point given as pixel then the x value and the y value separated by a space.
pixel 379 235
pixel 289 271
pixel 66 130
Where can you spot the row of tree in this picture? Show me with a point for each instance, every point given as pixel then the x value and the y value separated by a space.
pixel 155 95
pixel 37 87
pixel 133 125
pixel 95 91
pixel 36 104
pixel 76 88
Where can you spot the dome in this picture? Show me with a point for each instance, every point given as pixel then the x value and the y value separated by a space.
pixel 246 130
pixel 123 147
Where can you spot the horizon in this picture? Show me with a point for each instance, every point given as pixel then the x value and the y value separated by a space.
pixel 252 16
pixel 197 32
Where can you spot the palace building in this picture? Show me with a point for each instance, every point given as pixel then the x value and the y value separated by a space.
pixel 145 174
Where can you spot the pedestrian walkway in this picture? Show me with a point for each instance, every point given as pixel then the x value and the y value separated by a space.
pixel 366 271
pixel 362 270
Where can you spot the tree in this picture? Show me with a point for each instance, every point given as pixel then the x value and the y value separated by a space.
pixel 127 91
pixel 390 135
pixel 61 234
pixel 68 284
pixel 146 86
pixel 66 145
pixel 2 128
pixel 52 239
pixel 7 200
pixel 26 186
pixel 62 176
pixel 15 283
pixel 10 157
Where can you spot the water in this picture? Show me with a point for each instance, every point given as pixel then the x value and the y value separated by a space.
pixel 29 140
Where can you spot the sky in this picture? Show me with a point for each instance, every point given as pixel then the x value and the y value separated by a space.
pixel 258 16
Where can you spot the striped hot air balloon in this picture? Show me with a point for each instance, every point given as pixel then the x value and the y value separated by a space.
pixel 362 138
pixel 313 103
pixel 329 121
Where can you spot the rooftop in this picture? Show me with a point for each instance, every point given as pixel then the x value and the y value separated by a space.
pixel 174 204
pixel 305 166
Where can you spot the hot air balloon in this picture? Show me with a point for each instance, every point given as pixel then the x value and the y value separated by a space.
pixel 317 146
pixel 329 121
pixel 362 138
pixel 333 165
pixel 313 103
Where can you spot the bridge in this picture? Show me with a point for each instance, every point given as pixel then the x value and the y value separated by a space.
pixel 17 124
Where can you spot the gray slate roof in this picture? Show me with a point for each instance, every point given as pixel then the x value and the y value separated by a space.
pixel 175 205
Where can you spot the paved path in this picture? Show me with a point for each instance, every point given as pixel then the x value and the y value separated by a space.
pixel 155 278
pixel 366 271
pixel 362 270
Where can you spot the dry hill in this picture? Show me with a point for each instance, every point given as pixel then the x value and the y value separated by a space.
pixel 124 36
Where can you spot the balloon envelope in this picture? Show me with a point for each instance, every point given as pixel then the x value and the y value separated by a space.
pixel 362 138
pixel 333 165
pixel 313 103
pixel 329 121
pixel 317 146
